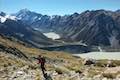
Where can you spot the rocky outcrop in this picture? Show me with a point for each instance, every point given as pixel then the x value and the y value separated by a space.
pixel 12 51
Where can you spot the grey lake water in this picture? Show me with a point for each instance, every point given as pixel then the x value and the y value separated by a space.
pixel 100 55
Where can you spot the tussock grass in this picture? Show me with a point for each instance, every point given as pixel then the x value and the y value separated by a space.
pixel 66 61
pixel 110 75
pixel 104 63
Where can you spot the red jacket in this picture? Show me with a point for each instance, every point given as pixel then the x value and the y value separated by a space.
pixel 41 61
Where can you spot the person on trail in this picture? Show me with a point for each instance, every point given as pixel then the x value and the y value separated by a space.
pixel 41 61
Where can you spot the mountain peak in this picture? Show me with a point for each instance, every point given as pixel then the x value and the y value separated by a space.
pixel 2 14
pixel 118 10
pixel 24 10
pixel 76 14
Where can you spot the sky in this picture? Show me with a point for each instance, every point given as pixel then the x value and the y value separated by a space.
pixel 59 7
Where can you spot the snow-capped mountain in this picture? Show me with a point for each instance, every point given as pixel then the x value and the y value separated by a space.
pixel 12 27
pixel 27 16
pixel 99 27
pixel 4 17
pixel 36 20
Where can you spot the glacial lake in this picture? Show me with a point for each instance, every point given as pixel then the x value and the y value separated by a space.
pixel 100 55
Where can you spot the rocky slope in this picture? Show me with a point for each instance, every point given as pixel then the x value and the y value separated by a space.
pixel 99 27
pixel 17 63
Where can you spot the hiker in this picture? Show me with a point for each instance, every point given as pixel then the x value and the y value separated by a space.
pixel 41 61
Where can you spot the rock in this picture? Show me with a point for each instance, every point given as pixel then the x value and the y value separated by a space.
pixel 104 79
pixel 20 72
pixel 118 76
pixel 97 77
pixel 89 62
pixel 55 73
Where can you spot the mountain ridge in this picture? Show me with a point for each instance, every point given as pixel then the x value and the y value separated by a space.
pixel 88 27
pixel 16 28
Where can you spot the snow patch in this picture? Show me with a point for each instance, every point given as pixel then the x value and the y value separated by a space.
pixel 10 17
pixel 35 18
pixel 3 19
pixel 19 34
pixel 100 49
pixel 52 35
pixel 51 17
pixel 37 29
pixel 39 18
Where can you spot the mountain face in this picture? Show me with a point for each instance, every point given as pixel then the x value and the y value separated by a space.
pixel 27 16
pixel 21 31
pixel 98 27
pixel 33 18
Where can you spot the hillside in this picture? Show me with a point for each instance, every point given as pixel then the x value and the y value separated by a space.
pixel 18 63
pixel 15 57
